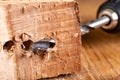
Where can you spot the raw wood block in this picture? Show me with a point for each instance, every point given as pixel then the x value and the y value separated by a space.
pixel 22 23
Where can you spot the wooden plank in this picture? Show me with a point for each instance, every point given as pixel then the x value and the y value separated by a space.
pixel 27 22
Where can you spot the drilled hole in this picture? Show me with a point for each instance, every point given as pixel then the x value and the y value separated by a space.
pixel 8 45
pixel 52 44
pixel 26 44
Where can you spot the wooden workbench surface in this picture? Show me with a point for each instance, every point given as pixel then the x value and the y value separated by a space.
pixel 101 51
pixel 101 55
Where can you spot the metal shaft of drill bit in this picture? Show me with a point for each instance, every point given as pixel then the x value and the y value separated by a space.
pixel 94 24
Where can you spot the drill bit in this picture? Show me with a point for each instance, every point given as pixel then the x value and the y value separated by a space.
pixel 43 45
pixel 94 24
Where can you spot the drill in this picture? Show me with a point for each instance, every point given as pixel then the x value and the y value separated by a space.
pixel 108 18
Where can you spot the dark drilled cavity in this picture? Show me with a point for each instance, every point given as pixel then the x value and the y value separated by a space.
pixel 8 45
pixel 27 44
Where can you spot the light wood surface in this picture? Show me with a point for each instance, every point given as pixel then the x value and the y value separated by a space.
pixel 101 55
pixel 101 50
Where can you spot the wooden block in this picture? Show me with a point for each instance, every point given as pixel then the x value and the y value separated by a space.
pixel 22 23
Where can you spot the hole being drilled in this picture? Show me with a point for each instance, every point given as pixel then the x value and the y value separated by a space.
pixel 52 43
pixel 27 44
pixel 43 45
pixel 8 45
pixel 40 47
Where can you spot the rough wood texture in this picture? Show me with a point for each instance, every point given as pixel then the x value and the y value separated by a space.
pixel 26 22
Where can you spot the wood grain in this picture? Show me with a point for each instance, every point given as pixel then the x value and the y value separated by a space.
pixel 101 50
pixel 38 21
pixel 101 54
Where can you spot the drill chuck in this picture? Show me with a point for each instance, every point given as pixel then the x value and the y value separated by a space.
pixel 108 18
